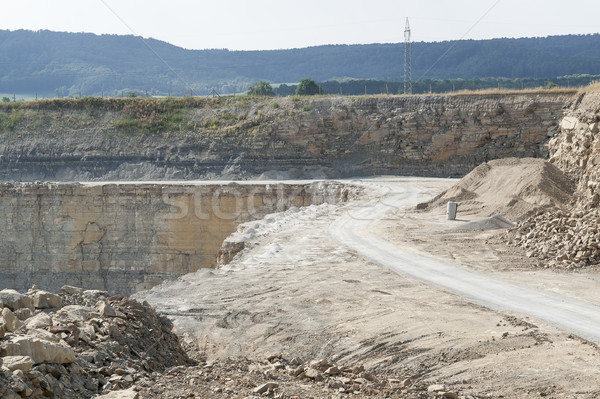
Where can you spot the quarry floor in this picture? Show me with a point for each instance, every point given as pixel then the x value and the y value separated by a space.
pixel 297 291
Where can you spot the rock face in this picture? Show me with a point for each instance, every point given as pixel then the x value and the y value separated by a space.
pixel 135 139
pixel 127 237
pixel 570 237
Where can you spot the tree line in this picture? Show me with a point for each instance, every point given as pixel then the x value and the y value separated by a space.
pixel 69 64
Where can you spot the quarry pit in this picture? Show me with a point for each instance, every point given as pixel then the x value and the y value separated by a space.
pixel 263 290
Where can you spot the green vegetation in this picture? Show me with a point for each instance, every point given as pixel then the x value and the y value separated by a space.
pixel 9 120
pixel 5 99
pixel 261 88
pixel 308 87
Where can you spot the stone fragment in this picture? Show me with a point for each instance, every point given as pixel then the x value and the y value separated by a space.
pixel 46 300
pixel 333 370
pixel 14 300
pixel 123 394
pixel 269 386
pixel 450 395
pixel 312 373
pixel 568 123
pixel 11 322
pixel 23 363
pixel 69 289
pixel 296 371
pixel 40 350
pixel 321 364
pixel 105 309
pixel 436 388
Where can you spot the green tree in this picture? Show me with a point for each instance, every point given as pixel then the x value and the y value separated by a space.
pixel 5 99
pixel 308 87
pixel 261 88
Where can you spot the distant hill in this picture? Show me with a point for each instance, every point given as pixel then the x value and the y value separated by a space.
pixel 62 64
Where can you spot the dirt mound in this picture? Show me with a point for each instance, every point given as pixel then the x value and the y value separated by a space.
pixel 512 187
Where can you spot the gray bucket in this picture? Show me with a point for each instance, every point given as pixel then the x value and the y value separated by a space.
pixel 451 210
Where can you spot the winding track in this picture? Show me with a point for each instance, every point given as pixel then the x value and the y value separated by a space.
pixel 566 313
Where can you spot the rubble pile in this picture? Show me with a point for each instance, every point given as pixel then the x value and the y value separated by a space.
pixel 80 343
pixel 569 238
pixel 278 377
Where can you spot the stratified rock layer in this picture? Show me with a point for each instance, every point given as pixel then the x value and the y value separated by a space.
pixel 125 139
pixel 126 237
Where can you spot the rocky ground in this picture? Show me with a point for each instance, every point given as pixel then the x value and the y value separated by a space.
pixel 80 344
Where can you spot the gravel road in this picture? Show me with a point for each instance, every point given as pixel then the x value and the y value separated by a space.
pixel 351 230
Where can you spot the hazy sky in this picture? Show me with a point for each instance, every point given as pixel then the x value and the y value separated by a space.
pixel 277 24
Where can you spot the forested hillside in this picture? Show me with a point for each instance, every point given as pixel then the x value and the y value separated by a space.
pixel 67 64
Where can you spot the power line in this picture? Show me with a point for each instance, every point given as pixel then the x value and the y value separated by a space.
pixel 145 43
pixel 462 37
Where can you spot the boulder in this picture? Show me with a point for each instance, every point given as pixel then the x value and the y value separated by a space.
pixel 23 313
pixel 40 320
pixel 23 363
pixel 73 314
pixel 40 350
pixel 43 334
pixel 14 300
pixel 11 322
pixel 46 300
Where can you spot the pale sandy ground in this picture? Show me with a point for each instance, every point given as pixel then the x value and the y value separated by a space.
pixel 299 293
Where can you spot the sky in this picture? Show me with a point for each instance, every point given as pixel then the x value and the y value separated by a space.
pixel 284 24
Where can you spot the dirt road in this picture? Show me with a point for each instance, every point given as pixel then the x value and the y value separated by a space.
pixel 352 230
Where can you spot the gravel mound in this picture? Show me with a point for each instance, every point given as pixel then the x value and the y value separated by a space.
pixel 512 187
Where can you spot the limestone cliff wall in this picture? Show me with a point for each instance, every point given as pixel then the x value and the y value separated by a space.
pixel 576 150
pixel 301 137
pixel 126 237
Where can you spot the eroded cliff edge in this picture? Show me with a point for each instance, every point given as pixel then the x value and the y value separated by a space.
pixel 195 138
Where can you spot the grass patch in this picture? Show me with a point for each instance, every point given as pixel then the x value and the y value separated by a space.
pixel 9 120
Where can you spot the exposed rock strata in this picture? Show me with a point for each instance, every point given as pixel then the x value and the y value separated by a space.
pixel 126 237
pixel 299 137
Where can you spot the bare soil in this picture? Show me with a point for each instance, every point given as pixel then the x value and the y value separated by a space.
pixel 295 294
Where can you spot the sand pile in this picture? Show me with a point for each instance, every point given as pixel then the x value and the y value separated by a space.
pixel 512 187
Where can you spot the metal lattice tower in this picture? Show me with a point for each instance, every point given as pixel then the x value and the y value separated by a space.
pixel 407 60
